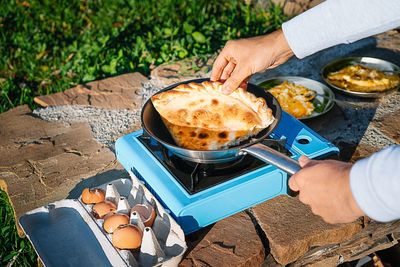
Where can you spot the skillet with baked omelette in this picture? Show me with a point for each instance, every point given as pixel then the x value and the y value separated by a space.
pixel 154 125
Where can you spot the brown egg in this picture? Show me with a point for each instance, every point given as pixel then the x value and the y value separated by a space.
pixel 92 196
pixel 103 208
pixel 113 220
pixel 127 237
pixel 147 213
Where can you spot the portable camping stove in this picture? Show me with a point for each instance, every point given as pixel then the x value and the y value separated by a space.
pixel 196 194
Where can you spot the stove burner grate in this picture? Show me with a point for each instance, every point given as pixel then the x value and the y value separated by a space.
pixel 196 177
pixel 201 171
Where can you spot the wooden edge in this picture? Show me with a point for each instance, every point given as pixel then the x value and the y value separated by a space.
pixel 4 187
pixel 40 102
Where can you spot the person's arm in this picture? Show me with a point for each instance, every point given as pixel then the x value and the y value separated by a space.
pixel 340 192
pixel 375 184
pixel 327 24
pixel 339 21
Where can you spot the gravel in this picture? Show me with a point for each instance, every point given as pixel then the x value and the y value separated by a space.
pixel 107 125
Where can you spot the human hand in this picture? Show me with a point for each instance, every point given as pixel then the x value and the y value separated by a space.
pixel 241 58
pixel 324 185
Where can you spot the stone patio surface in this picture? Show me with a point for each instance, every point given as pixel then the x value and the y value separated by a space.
pixel 53 152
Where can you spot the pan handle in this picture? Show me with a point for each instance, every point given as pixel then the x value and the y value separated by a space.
pixel 273 157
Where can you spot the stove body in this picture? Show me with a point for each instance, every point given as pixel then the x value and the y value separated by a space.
pixel 197 195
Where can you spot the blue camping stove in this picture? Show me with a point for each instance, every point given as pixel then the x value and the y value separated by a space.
pixel 197 194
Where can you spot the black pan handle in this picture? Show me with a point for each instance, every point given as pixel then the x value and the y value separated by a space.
pixel 273 157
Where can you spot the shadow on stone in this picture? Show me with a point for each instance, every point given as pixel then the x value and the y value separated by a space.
pixel 259 230
pixel 345 126
pixel 194 238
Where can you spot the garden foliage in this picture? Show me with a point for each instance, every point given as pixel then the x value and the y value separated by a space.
pixel 49 46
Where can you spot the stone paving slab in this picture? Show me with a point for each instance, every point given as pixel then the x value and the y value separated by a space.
pixel 223 244
pixel 186 69
pixel 121 92
pixel 371 238
pixel 292 229
pixel 41 162
pixel 389 125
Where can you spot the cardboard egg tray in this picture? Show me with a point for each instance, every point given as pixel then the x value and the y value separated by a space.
pixel 65 233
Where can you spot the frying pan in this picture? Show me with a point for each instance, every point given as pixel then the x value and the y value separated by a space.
pixel 154 126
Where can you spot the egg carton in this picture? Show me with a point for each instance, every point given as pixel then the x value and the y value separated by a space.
pixel 66 233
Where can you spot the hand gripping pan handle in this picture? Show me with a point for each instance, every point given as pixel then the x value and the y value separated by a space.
pixel 273 157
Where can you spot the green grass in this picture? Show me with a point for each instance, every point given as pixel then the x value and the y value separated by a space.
pixel 14 250
pixel 49 46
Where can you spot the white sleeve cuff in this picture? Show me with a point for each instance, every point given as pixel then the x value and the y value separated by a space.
pixel 335 22
pixel 375 184
pixel 361 191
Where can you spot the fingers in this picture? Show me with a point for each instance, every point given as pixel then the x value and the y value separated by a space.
pixel 226 67
pixel 298 179
pixel 226 73
pixel 306 162
pixel 244 83
pixel 303 160
pixel 293 184
pixel 238 75
pixel 218 67
pixel 295 180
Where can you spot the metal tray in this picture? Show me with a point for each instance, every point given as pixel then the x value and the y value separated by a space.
pixel 370 62
pixel 324 100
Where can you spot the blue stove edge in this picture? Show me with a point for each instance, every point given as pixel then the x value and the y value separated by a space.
pixel 193 212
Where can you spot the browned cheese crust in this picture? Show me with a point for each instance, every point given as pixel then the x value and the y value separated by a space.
pixel 200 117
pixel 363 79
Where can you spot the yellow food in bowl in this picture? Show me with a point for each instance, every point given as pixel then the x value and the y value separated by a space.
pixel 294 99
pixel 359 78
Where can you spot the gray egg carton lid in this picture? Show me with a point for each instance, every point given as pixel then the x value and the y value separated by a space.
pixel 65 233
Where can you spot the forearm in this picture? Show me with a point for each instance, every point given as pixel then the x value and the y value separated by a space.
pixel 339 21
pixel 375 184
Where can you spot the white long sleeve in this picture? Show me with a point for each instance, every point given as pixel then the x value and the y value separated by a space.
pixel 339 21
pixel 375 184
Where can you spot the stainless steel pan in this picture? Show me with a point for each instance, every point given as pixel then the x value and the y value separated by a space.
pixel 153 125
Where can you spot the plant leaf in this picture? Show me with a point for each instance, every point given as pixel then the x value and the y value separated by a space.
pixel 199 37
pixel 187 27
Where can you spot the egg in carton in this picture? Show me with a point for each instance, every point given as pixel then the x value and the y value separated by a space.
pixel 69 233
pixel 125 216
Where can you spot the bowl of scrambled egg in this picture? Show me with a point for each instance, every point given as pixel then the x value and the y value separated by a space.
pixel 301 97
pixel 362 76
